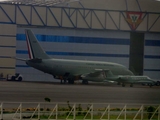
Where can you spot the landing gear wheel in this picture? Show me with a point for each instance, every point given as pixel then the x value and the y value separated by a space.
pixel 85 82
pixel 118 83
pixel 123 85
pixel 65 81
pixel 150 85
pixel 70 81
pixel 20 79
pixel 131 85
pixel 157 83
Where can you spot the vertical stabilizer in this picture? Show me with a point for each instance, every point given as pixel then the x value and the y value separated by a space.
pixel 34 48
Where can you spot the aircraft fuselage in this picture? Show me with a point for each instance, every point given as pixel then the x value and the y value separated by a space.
pixel 59 67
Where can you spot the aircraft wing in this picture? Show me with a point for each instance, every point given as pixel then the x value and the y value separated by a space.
pixel 35 60
pixel 98 75
pixel 21 59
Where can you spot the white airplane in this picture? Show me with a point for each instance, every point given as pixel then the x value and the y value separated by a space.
pixel 71 70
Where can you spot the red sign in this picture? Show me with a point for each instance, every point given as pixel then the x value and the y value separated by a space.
pixel 134 19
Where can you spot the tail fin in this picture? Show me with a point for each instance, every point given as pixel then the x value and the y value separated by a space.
pixel 34 48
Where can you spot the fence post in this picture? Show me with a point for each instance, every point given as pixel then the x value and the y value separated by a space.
pixel 20 111
pixel 74 116
pixel 159 113
pixel 1 111
pixel 92 112
pixel 142 112
pixel 39 111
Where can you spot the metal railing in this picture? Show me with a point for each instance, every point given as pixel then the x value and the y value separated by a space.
pixel 78 111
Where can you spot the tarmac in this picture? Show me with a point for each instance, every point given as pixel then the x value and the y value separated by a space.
pixel 93 93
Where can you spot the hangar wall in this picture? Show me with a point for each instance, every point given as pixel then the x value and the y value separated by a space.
pixel 7 49
pixel 152 55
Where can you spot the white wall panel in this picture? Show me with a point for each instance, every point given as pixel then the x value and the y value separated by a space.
pixel 10 11
pixel 7 62
pixel 38 15
pixel 51 21
pixel 105 4
pixel 23 15
pixel 152 64
pixel 80 48
pixel 7 48
pixel 7 71
pixel 152 50
pixel 143 25
pixel 83 22
pixel 8 29
pixel 152 53
pixel 7 52
pixel 152 74
pixel 7 41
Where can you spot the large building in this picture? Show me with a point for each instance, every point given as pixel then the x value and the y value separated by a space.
pixel 123 31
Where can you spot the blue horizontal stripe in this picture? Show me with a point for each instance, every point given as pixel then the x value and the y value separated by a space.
pixel 88 54
pixel 152 43
pixel 154 70
pixel 7 46
pixel 91 40
pixel 72 39
pixel 26 66
pixel 5 56
pixel 7 67
pixel 77 54
pixel 152 56
pixel 7 36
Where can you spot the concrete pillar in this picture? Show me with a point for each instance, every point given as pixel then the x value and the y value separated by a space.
pixel 136 59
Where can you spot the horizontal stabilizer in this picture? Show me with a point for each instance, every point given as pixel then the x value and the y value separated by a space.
pixel 21 59
pixel 36 60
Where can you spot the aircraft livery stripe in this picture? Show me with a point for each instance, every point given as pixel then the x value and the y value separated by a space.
pixel 5 56
pixel 7 67
pixel 29 46
pixel 7 46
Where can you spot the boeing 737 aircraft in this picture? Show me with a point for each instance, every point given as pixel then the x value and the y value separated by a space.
pixel 71 70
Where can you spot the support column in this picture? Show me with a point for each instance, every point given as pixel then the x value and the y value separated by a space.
pixel 136 59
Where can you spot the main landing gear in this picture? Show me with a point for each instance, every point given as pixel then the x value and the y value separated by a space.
pixel 64 78
pixel 150 85
pixel 123 85
pixel 85 82
pixel 71 81
pixel 131 85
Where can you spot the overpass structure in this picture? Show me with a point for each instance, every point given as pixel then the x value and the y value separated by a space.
pixel 81 18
